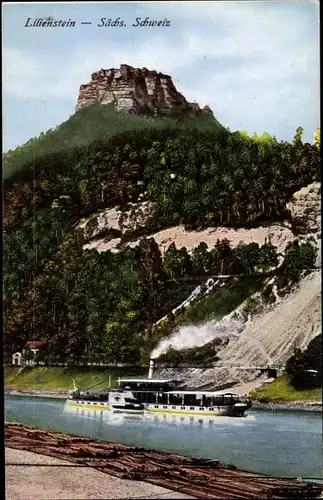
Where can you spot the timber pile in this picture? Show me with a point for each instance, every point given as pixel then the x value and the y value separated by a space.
pixel 195 477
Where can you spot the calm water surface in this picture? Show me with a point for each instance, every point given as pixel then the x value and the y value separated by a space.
pixel 277 442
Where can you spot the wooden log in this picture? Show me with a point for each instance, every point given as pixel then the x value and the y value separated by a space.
pixel 195 477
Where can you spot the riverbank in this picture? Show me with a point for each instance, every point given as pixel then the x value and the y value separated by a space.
pixel 56 380
pixel 38 394
pixel 280 392
pixel 190 477
pixel 292 406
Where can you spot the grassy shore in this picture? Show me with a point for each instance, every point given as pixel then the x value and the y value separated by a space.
pixel 60 379
pixel 281 390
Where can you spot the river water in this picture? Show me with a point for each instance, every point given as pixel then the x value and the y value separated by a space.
pixel 280 443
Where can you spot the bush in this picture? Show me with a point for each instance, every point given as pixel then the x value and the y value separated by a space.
pixel 299 364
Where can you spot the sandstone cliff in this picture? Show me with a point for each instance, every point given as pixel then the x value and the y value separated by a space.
pixel 137 91
pixel 305 208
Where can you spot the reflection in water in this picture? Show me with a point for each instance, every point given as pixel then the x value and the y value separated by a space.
pixel 110 418
pixel 103 416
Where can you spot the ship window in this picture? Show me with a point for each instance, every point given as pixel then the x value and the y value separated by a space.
pixel 210 409
pixel 173 407
pixel 201 409
pixel 165 407
pixel 156 406
pixel 95 403
pixel 192 408
pixel 182 407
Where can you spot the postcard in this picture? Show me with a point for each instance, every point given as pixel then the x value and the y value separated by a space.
pixel 162 249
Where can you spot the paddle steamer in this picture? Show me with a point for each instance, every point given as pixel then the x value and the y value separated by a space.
pixel 149 395
pixel 162 396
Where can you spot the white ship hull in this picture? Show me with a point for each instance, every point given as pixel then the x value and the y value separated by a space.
pixel 237 409
pixel 101 406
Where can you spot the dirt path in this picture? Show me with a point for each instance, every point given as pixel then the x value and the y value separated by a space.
pixel 244 389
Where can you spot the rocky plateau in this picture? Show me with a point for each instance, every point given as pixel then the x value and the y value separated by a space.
pixel 137 91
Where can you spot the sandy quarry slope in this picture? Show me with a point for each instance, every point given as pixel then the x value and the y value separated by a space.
pixel 269 338
pixel 272 336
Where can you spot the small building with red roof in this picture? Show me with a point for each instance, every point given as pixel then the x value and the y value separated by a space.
pixel 18 358
pixel 36 345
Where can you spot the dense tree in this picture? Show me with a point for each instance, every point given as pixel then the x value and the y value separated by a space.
pixel 305 367
pixel 201 260
pixel 28 355
pixel 298 256
pixel 177 262
pixel 317 138
pixel 248 257
pixel 268 257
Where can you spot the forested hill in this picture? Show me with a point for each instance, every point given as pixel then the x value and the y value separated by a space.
pixel 85 128
pixel 91 305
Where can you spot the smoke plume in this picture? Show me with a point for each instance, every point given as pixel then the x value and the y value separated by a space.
pixel 186 337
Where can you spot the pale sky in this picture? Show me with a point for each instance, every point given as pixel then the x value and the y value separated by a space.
pixel 256 64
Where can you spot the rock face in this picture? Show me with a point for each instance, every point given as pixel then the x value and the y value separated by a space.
pixel 137 91
pixel 305 209
pixel 112 219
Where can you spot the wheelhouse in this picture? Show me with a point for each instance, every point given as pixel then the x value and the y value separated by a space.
pixel 148 390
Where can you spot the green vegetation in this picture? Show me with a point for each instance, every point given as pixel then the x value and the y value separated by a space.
pixel 220 177
pixel 215 305
pixel 305 367
pixel 224 300
pixel 100 307
pixel 198 357
pixel 298 384
pixel 94 307
pixel 45 378
pixel 84 128
pixel 281 390
pixel 317 138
